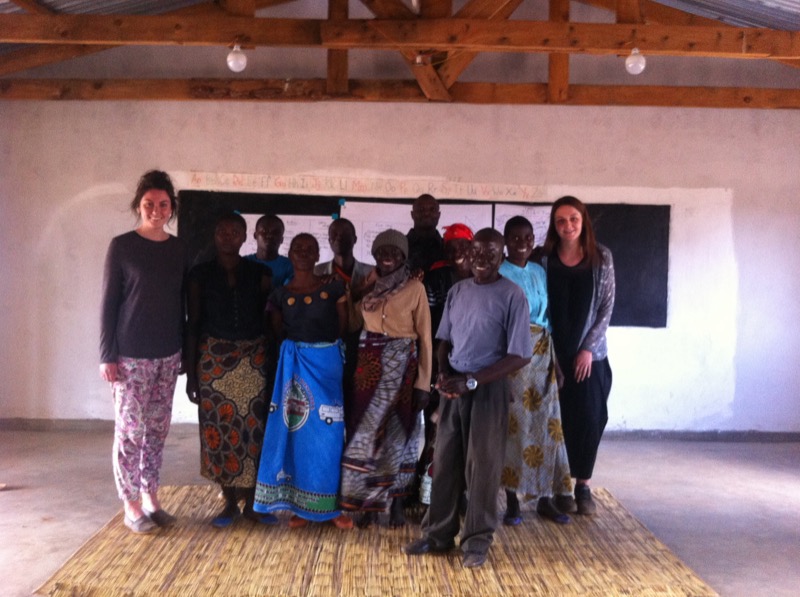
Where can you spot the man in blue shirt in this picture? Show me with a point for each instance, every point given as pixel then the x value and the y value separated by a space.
pixel 269 237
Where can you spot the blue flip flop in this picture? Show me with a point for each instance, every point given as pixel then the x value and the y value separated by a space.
pixel 226 517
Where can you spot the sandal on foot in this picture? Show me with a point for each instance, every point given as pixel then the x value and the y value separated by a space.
pixel 343 522
pixel 295 522
pixel 140 526
pixel 161 517
pixel 260 518
pixel 226 517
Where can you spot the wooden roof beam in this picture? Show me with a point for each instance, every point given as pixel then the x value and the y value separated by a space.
pixel 240 8
pixel 419 60
pixel 583 38
pixel 338 61
pixel 457 61
pixel 389 9
pixel 654 12
pixel 36 56
pixel 628 11
pixel 558 63
pixel 391 90
pixel 160 30
pixel 373 34
pixel 435 9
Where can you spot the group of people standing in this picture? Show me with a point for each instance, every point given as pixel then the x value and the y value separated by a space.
pixel 316 384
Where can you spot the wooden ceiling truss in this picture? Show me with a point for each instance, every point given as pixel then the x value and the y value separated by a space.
pixel 436 44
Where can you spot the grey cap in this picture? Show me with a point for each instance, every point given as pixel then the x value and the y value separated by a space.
pixel 391 238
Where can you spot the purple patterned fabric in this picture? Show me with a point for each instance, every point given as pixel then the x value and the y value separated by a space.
pixel 143 410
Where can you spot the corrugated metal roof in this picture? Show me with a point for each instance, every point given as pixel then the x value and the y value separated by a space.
pixel 130 7
pixel 772 14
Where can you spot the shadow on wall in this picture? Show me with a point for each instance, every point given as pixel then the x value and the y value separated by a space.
pixel 63 306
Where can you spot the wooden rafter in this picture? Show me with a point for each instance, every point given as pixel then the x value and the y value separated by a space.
pixel 580 38
pixel 338 62
pixel 558 62
pixel 457 61
pixel 42 55
pixel 389 9
pixel 240 8
pixel 396 91
pixel 436 46
pixel 629 11
pixel 435 9
pixel 375 34
pixel 417 60
pixel 653 12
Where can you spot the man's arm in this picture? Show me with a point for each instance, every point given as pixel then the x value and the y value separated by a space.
pixel 453 384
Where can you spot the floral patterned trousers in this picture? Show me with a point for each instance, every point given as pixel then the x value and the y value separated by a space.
pixel 143 396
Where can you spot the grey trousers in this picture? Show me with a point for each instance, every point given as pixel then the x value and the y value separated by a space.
pixel 468 455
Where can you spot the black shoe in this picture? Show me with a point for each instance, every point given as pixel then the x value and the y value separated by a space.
pixel 161 517
pixel 397 516
pixel 473 559
pixel 584 501
pixel 566 504
pixel 546 509
pixel 512 517
pixel 366 519
pixel 424 545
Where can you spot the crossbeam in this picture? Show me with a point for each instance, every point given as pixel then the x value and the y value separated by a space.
pixel 475 35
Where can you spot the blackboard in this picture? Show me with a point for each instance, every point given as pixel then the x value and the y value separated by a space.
pixel 199 211
pixel 637 235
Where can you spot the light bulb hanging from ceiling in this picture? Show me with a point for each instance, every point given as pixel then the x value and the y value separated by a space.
pixel 635 63
pixel 237 60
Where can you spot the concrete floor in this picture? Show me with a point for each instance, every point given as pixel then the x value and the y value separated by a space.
pixel 729 510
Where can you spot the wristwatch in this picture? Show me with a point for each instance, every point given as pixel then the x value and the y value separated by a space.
pixel 472 383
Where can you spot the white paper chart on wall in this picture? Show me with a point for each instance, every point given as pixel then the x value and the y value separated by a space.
pixel 370 219
pixel 539 216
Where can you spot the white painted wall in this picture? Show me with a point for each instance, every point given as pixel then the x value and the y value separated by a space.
pixel 726 361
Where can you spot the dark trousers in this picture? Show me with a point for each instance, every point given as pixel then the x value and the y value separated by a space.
pixel 469 454
pixel 584 414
